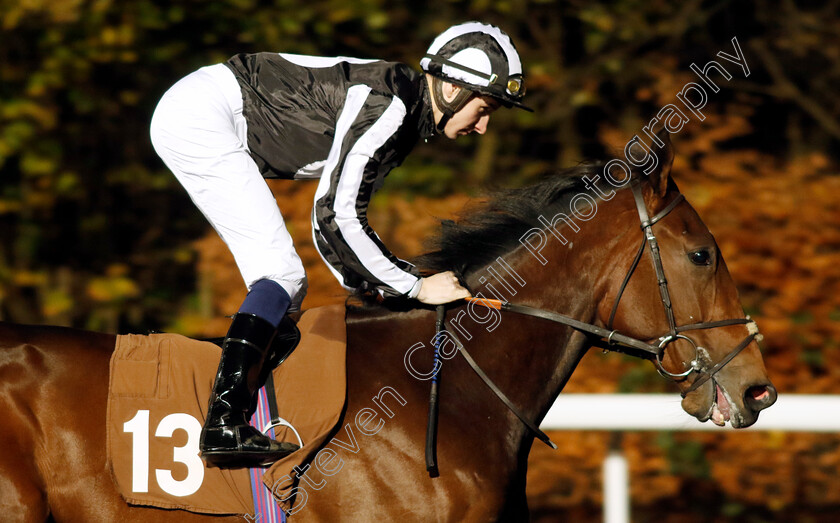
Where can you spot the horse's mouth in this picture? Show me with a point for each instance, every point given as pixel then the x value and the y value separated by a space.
pixel 720 410
pixel 723 409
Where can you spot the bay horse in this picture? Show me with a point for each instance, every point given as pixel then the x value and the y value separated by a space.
pixel 539 248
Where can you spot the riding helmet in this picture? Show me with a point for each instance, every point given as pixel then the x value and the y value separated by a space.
pixel 479 58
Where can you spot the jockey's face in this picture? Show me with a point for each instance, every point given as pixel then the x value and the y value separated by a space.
pixel 473 117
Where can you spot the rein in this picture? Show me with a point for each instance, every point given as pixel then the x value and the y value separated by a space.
pixel 615 341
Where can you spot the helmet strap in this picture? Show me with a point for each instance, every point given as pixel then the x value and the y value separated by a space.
pixel 448 108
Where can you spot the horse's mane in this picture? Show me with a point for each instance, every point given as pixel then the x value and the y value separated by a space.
pixel 493 227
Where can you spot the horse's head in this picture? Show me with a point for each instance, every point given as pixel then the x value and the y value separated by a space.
pixel 718 368
pixel 579 246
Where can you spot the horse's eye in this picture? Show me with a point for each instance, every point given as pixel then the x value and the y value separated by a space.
pixel 700 257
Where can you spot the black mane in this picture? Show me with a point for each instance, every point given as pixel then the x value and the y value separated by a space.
pixel 493 228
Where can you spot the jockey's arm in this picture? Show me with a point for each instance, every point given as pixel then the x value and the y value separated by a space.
pixel 366 141
pixel 341 208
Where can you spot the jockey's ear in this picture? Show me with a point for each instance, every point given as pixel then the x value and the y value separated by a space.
pixel 450 91
pixel 655 162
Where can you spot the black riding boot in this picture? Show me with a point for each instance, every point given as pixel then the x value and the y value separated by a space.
pixel 227 440
pixel 285 342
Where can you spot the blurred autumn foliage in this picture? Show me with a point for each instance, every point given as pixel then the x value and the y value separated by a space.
pixel 95 233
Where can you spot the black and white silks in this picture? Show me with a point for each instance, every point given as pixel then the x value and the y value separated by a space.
pixel 349 122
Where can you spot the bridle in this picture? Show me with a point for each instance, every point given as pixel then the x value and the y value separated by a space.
pixel 614 340
pixel 704 373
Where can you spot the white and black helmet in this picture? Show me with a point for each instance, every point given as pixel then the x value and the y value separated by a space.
pixel 478 57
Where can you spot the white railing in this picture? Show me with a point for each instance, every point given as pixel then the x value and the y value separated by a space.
pixel 635 412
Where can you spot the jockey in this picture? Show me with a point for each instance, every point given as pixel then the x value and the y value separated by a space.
pixel 224 128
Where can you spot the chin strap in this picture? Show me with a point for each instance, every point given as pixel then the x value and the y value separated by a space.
pixel 448 108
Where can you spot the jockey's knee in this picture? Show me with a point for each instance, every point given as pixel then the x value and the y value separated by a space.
pixel 295 287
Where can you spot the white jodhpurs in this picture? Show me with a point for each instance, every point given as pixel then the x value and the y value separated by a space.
pixel 199 132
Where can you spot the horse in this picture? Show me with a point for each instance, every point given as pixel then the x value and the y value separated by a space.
pixel 564 251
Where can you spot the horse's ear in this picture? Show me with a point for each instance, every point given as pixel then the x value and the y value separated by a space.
pixel 660 174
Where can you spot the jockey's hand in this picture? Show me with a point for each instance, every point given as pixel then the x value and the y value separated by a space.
pixel 442 287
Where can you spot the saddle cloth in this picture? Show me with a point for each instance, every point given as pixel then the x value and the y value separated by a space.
pixel 160 385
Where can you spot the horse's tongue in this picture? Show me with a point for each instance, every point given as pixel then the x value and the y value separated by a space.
pixel 720 412
pixel 723 405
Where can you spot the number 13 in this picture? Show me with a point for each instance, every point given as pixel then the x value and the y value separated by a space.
pixel 138 427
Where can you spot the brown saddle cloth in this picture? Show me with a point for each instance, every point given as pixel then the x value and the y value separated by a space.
pixel 160 385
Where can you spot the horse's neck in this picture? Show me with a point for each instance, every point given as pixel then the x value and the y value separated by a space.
pixel 529 359
pixel 532 359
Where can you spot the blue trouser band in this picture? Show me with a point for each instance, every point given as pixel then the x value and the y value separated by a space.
pixel 268 300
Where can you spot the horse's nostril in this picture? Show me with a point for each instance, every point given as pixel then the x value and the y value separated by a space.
pixel 759 393
pixel 760 397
